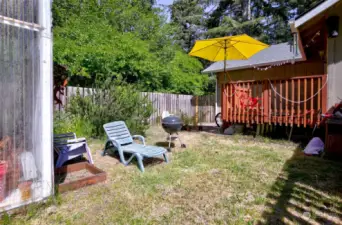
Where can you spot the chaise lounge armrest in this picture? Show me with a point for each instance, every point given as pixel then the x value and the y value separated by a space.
pixel 142 139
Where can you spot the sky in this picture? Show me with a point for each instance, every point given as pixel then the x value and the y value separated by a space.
pixel 164 2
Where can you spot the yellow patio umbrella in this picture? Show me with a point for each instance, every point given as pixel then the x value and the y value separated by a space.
pixel 227 48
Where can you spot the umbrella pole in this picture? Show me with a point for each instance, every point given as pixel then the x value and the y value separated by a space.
pixel 224 67
pixel 225 59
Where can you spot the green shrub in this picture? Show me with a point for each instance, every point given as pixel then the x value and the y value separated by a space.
pixel 112 101
pixel 187 120
pixel 67 122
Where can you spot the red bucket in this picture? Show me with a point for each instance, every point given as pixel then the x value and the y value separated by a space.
pixel 3 171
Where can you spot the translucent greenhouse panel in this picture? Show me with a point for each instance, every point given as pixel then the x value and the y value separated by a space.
pixel 24 10
pixel 22 178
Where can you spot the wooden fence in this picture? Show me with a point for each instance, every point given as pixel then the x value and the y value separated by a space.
pixel 174 103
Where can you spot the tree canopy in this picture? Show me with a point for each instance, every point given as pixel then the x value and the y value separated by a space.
pixel 133 41
pixel 264 20
pixel 126 40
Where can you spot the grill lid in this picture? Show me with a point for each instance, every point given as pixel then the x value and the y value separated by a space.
pixel 172 120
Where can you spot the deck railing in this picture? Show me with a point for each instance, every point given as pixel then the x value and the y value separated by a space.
pixel 285 102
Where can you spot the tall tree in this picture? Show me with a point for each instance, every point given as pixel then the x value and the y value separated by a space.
pixel 233 17
pixel 278 15
pixel 265 20
pixel 123 40
pixel 187 17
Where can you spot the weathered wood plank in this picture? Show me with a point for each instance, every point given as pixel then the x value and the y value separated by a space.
pixel 298 104
pixel 281 103
pixel 293 99
pixel 258 105
pixel 287 102
pixel 266 102
pixel 248 106
pixel 319 95
pixel 231 97
pixel 275 101
pixel 305 97
pixel 312 107
pixel 324 94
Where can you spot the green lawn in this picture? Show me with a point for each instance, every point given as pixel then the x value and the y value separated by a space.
pixel 216 180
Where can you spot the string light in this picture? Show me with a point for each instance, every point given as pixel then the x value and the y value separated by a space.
pixel 274 65
pixel 312 41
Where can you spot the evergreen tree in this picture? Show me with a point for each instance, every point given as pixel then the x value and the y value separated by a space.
pixel 188 18
pixel 264 20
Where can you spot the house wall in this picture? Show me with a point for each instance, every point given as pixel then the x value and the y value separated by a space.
pixel 299 82
pixel 335 62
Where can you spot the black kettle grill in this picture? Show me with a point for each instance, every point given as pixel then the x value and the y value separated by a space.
pixel 172 125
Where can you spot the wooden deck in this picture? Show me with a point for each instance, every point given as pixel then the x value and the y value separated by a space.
pixel 294 101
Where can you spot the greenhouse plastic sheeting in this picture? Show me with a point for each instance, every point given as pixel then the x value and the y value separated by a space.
pixel 22 179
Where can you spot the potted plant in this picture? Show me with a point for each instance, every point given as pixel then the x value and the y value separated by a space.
pixel 158 120
pixel 186 122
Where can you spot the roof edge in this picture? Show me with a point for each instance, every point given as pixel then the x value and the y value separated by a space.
pixel 256 65
pixel 314 12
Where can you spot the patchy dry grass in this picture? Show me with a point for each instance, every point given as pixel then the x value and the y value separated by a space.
pixel 216 180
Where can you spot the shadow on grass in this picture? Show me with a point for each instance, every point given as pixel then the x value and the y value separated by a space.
pixel 203 128
pixel 164 144
pixel 147 161
pixel 308 191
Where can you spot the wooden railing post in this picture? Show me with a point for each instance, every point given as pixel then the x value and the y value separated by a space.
pixel 305 97
pixel 324 93
pixel 298 104
pixel 266 102
pixel 312 102
pixel 293 99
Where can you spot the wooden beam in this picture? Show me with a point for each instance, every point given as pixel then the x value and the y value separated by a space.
pixel 305 97
pixel 293 99
pixel 301 48
pixel 324 94
pixel 223 103
pixel 298 104
pixel 275 102
pixel 256 93
pixel 238 102
pixel 231 92
pixel 248 107
pixel 258 105
pixel 287 102
pixel 319 95
pixel 226 106
pixel 269 102
pixel 266 102
pixel 312 101
pixel 281 103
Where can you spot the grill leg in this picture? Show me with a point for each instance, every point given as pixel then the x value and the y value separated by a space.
pixel 182 145
pixel 170 139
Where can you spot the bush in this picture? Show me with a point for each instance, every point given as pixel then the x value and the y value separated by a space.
pixel 112 101
pixel 66 122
